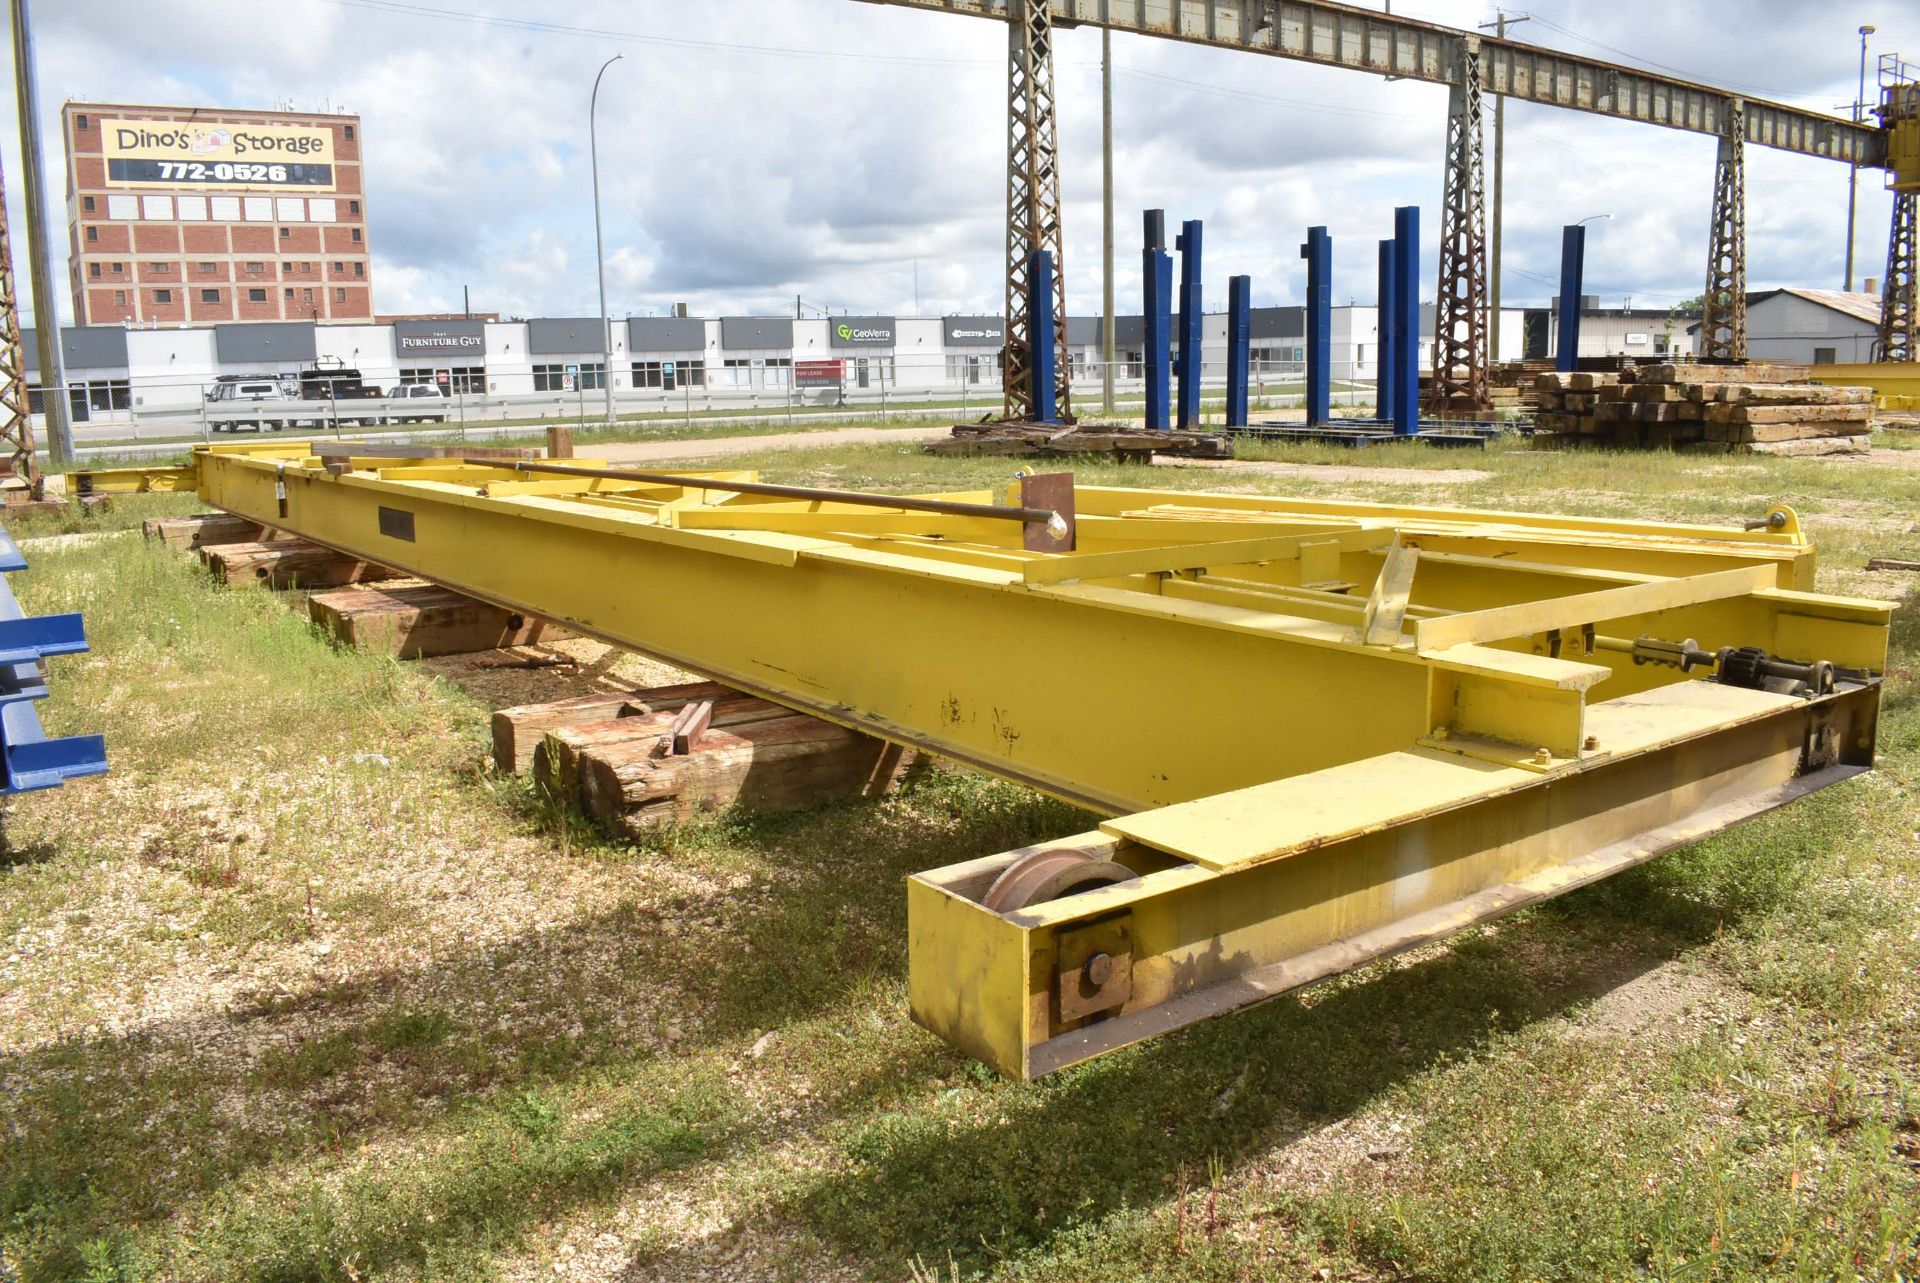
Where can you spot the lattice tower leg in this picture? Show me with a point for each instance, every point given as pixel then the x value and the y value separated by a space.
pixel 1899 338
pixel 1723 328
pixel 1460 323
pixel 1033 206
pixel 16 422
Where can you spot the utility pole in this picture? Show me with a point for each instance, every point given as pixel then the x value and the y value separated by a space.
pixel 46 309
pixel 1853 173
pixel 1106 189
pixel 1499 24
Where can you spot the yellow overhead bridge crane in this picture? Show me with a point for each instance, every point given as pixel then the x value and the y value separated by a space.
pixel 1323 732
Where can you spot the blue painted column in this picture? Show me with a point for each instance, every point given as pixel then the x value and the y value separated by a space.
pixel 1157 290
pixel 1383 365
pixel 1188 368
pixel 1573 262
pixel 1239 340
pixel 1318 251
pixel 1040 333
pixel 1406 320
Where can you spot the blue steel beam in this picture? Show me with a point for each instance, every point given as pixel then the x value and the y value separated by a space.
pixel 1573 263
pixel 1040 314
pixel 1406 320
pixel 1188 368
pixel 1157 288
pixel 1239 339
pixel 1318 251
pixel 1383 359
pixel 28 758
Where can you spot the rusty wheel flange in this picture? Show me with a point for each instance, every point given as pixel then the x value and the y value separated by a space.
pixel 1049 875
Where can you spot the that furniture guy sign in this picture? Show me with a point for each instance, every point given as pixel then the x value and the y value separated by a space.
pixel 439 338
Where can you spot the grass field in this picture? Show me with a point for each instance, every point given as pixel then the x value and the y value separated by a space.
pixel 302 990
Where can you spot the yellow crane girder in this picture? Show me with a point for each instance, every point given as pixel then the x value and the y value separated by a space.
pixel 1320 731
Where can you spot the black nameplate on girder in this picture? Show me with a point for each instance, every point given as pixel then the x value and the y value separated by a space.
pixel 396 524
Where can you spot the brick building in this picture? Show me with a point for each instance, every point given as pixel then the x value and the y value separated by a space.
pixel 193 215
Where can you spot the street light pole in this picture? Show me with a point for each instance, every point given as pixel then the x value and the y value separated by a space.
pixel 1501 22
pixel 599 242
pixel 1106 219
pixel 1853 175
pixel 46 308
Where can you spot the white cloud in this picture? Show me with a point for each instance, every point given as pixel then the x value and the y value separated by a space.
pixel 734 178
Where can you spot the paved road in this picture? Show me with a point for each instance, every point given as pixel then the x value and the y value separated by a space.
pixel 721 447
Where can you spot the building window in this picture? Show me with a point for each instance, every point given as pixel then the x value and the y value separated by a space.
pixel 256 296
pixel 353 207
pixel 80 123
pixel 120 298
pixel 470 380
pixel 359 269
pixel 349 130
pixel 356 235
pixel 209 267
pixel 285 232
pixel 339 267
pixel 289 292
pixel 93 270
pixel 339 296
pixel 86 203
pixel 1823 356
pixel 306 293
pixel 159 267
pixel 553 378
pixel 104 394
pixel 209 296
pixel 668 375
pixel 163 296
pixel 93 233
pixel 255 268
pixel 118 268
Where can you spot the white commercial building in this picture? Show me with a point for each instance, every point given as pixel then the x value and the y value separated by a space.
pixel 547 365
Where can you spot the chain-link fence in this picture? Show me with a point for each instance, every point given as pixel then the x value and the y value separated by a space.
pixel 120 409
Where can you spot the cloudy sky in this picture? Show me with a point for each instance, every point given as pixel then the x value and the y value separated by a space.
pixel 853 155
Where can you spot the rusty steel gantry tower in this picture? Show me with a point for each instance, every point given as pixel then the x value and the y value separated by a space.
pixel 1899 111
pixel 1033 209
pixel 1460 312
pixel 1723 317
pixel 20 468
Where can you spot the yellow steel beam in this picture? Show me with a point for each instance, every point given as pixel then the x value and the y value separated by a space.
pixel 1383 724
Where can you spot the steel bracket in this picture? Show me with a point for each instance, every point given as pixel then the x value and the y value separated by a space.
pixel 1093 967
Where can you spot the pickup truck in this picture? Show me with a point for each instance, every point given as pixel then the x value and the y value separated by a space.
pixel 340 384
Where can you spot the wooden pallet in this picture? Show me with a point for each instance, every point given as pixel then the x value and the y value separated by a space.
pixel 1135 444
pixel 415 622
pixel 634 773
pixel 207 529
pixel 517 732
pixel 289 563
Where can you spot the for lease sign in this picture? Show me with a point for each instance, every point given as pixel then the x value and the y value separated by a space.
pixel 165 153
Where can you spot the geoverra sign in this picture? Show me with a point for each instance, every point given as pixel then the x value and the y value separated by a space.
pixel 162 153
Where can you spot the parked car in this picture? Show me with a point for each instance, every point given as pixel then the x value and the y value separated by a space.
pixel 419 392
pixel 258 392
pixel 339 383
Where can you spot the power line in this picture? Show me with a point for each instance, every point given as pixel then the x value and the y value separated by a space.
pixel 1682 72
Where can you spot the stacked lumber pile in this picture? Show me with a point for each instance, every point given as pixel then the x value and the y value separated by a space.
pixel 1513 387
pixel 1752 408
pixel 1135 444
